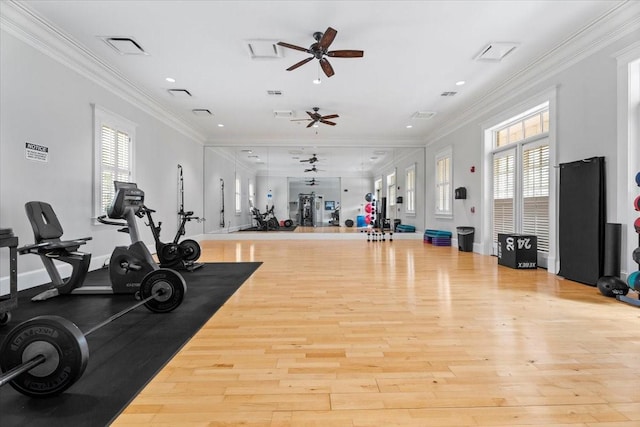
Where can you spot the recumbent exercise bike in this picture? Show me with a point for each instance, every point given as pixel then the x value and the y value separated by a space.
pixel 129 265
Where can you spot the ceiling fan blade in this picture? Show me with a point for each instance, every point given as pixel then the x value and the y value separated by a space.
pixel 299 120
pixel 304 61
pixel 346 53
pixel 311 115
pixel 327 122
pixel 327 38
pixel 311 124
pixel 292 46
pixel 326 67
pixel 330 116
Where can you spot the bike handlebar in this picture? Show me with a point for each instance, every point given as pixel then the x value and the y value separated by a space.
pixel 102 219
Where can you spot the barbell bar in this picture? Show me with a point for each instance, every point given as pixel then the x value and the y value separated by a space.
pixel 45 355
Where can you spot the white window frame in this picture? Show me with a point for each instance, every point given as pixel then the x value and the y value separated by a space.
pixel 410 190
pixel 547 96
pixel 103 117
pixel 444 205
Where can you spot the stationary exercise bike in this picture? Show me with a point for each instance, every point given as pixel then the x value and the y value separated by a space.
pixel 265 221
pixel 181 255
pixel 129 266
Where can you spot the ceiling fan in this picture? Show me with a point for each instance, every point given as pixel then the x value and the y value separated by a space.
pixel 313 169
pixel 312 159
pixel 318 50
pixel 316 117
pixel 312 182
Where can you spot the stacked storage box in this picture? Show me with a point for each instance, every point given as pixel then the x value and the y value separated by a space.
pixel 437 237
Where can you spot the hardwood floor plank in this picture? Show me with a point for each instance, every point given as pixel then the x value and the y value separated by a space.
pixel 356 333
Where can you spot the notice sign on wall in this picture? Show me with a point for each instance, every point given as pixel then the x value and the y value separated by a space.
pixel 38 153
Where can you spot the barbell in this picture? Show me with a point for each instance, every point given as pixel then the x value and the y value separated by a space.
pixel 45 355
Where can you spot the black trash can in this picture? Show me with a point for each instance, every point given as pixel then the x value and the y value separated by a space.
pixel 465 238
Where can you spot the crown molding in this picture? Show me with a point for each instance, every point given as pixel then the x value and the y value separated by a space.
pixel 334 142
pixel 621 20
pixel 23 23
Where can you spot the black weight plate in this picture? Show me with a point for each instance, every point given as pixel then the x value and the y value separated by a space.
pixel 636 255
pixel 169 253
pixel 173 288
pixel 190 250
pixel 64 346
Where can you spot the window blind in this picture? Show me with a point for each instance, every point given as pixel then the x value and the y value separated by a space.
pixel 535 194
pixel 503 193
pixel 115 162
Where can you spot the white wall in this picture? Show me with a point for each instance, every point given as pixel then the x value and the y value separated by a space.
pixel 46 103
pixel 586 126
pixel 352 201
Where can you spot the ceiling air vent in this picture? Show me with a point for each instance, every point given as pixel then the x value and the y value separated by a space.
pixel 423 115
pixel 202 112
pixel 448 93
pixel 124 45
pixel 283 114
pixel 180 93
pixel 274 92
pixel 496 51
pixel 263 49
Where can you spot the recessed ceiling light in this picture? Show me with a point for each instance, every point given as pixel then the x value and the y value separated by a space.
pixel 170 79
pixel 220 125
pixel 409 126
pixel 460 83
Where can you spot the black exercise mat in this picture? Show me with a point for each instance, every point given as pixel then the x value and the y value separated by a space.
pixel 123 355
pixel 293 227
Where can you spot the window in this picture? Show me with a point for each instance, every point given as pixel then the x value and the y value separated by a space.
pixel 251 194
pixel 535 193
pixel 503 193
pixel 238 198
pixel 410 195
pixel 443 183
pixel 114 147
pixel 391 189
pixel 521 176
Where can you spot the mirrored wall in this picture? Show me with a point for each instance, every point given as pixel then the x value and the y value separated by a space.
pixel 318 187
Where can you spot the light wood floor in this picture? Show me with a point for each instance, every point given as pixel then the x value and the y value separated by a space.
pixel 350 333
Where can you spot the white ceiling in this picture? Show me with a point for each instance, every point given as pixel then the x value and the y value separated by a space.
pixel 413 52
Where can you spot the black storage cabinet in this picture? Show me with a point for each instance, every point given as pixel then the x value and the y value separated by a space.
pixel 465 238
pixel 518 251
